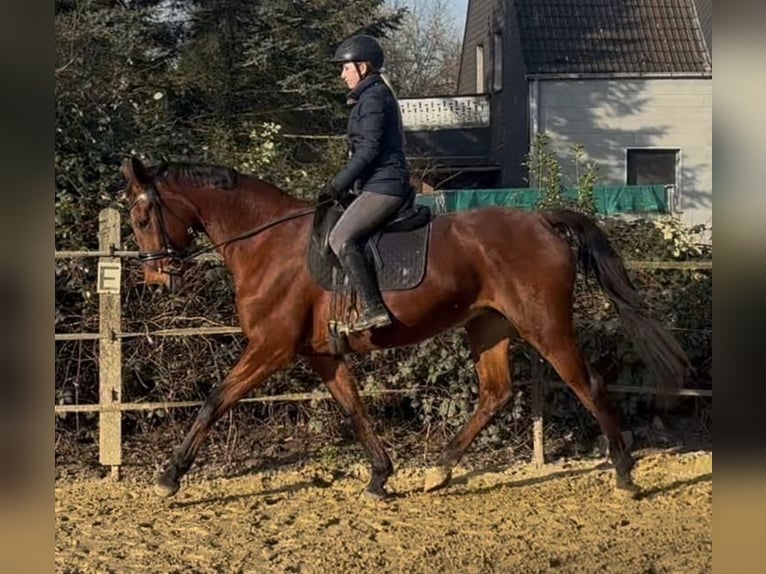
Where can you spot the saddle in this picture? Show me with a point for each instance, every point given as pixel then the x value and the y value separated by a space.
pixel 397 252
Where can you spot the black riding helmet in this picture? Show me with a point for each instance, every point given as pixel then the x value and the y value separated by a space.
pixel 360 48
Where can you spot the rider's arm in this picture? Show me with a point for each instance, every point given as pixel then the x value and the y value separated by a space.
pixel 367 146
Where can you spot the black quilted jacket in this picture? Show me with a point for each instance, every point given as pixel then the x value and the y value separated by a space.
pixel 377 161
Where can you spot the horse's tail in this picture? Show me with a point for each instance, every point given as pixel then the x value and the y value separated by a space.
pixel 660 351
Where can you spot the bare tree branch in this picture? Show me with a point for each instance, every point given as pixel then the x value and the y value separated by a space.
pixel 423 55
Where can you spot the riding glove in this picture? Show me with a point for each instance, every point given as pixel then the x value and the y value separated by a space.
pixel 329 190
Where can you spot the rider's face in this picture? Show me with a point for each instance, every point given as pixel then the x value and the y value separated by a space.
pixel 350 74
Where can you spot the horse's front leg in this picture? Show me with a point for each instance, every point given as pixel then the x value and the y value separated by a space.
pixel 342 385
pixel 257 363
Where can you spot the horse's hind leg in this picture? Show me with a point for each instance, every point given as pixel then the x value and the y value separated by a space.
pixel 489 338
pixel 553 336
pixel 342 385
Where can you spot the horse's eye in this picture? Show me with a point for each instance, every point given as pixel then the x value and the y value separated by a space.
pixel 142 223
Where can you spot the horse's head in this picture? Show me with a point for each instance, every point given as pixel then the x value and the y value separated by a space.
pixel 162 221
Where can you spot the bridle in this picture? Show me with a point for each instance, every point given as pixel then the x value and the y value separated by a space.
pixel 177 257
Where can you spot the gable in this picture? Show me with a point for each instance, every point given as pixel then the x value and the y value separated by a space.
pixel 705 17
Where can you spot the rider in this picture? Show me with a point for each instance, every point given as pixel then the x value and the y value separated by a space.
pixel 376 171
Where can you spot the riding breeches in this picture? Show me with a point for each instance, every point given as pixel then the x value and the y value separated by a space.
pixel 366 214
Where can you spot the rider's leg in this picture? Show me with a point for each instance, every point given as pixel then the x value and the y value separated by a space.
pixel 366 214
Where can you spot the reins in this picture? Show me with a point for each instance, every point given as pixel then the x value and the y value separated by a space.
pixel 255 231
pixel 174 255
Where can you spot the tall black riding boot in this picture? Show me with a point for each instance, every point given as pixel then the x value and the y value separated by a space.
pixel 374 312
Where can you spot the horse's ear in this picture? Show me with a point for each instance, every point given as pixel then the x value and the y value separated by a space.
pixel 139 170
pixel 133 168
pixel 125 170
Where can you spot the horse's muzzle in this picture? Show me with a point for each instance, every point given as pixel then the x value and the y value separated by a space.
pixel 170 280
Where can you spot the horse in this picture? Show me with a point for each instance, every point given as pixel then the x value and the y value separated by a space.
pixel 501 274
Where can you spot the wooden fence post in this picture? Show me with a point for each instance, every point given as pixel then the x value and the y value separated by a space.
pixel 110 345
pixel 538 451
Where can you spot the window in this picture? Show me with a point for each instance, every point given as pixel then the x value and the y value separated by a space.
pixel 497 68
pixel 652 166
pixel 479 69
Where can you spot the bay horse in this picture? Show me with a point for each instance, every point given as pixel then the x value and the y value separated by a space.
pixel 501 274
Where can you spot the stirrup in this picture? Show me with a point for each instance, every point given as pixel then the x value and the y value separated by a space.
pixel 371 320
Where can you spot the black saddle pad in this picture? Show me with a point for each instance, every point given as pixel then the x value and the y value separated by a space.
pixel 401 265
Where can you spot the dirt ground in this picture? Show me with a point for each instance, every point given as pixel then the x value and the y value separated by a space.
pixel 562 518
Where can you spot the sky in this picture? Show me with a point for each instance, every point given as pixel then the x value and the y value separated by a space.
pixel 459 8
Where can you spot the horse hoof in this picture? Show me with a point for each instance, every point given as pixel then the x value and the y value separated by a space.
pixel 376 494
pixel 436 478
pixel 166 489
pixel 627 491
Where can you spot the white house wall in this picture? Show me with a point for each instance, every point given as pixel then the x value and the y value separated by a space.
pixel 607 116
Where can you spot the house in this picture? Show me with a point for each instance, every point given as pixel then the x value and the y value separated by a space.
pixel 629 80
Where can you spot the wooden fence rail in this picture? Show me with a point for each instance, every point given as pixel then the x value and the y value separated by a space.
pixel 110 406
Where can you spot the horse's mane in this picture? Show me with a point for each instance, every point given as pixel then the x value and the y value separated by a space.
pixel 202 175
pixel 196 174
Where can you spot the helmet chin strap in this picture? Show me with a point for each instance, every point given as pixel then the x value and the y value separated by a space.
pixel 359 73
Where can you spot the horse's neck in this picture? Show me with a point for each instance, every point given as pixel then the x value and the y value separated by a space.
pixel 227 214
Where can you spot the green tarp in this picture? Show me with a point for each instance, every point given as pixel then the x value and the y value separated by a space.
pixel 609 200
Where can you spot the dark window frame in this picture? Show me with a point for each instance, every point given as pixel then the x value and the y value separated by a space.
pixel 497 62
pixel 658 152
pixel 674 188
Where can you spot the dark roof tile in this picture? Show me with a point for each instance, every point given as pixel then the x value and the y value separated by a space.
pixel 611 36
